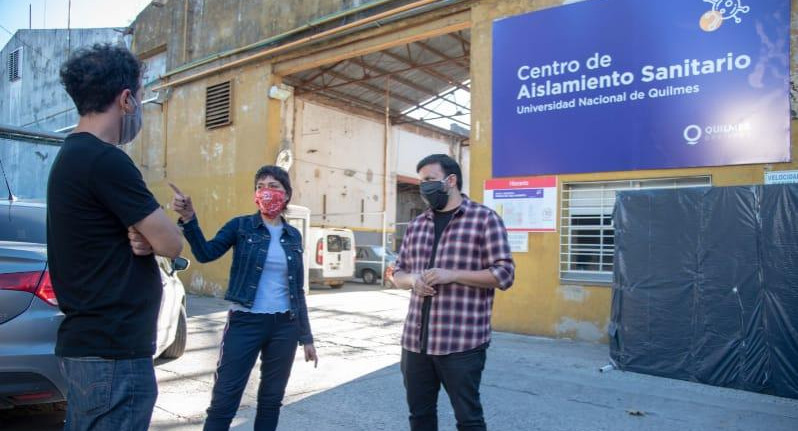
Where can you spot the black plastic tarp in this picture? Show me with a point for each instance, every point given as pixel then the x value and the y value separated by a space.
pixel 706 286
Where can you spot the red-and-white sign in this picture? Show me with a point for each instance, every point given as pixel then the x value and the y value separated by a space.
pixel 525 204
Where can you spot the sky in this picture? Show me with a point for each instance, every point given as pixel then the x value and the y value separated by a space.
pixel 14 14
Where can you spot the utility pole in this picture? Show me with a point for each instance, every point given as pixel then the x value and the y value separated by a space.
pixel 69 31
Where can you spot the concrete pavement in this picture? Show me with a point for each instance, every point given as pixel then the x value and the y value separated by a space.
pixel 530 383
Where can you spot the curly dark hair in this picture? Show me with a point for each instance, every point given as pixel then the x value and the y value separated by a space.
pixel 94 76
pixel 278 174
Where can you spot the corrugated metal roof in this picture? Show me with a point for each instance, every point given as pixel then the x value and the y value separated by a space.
pixel 421 80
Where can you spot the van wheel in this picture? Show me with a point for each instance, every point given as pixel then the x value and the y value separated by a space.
pixel 369 277
pixel 336 285
pixel 178 347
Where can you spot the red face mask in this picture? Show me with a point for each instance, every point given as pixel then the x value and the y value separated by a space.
pixel 271 202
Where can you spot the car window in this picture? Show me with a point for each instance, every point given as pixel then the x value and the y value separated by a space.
pixel 23 224
pixel 379 251
pixel 346 243
pixel 334 243
pixel 361 253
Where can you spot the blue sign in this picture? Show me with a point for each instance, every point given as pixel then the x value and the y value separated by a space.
pixel 518 194
pixel 616 85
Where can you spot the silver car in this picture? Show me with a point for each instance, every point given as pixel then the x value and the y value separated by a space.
pixel 29 315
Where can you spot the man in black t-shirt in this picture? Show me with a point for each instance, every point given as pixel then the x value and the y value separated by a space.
pixel 103 229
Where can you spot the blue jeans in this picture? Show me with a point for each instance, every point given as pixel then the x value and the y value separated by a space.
pixel 275 337
pixel 109 394
pixel 459 373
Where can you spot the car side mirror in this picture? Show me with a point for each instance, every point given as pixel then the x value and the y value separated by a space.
pixel 179 263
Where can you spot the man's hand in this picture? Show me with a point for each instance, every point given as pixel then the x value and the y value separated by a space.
pixel 182 204
pixel 436 276
pixel 310 355
pixel 139 244
pixel 422 288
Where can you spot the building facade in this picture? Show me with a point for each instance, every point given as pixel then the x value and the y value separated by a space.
pixel 220 112
pixel 31 95
pixel 349 159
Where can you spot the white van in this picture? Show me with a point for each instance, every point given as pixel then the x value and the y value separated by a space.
pixel 299 217
pixel 333 260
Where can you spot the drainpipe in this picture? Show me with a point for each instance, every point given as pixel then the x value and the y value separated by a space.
pixel 386 172
pixel 185 33
pixel 165 128
pixel 277 49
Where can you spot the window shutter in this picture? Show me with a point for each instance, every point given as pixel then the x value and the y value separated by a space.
pixel 217 105
pixel 13 64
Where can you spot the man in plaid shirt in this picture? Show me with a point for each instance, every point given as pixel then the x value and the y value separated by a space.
pixel 453 257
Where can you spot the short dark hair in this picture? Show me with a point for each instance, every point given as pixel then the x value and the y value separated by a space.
pixel 448 164
pixel 278 174
pixel 94 76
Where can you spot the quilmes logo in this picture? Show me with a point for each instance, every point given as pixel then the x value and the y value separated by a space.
pixel 721 11
pixel 693 134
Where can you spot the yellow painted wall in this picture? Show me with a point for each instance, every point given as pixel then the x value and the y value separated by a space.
pixel 539 303
pixel 216 167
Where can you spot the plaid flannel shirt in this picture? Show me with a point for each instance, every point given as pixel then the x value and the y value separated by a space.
pixel 459 319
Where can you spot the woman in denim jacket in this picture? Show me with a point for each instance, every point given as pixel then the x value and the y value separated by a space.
pixel 268 312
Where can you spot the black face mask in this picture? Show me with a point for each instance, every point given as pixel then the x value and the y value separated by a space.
pixel 434 194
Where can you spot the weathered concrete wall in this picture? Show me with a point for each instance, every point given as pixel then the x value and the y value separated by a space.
pixel 340 157
pixel 417 143
pixel 539 303
pixel 27 166
pixel 37 100
pixel 194 29
pixel 216 167
pixel 340 167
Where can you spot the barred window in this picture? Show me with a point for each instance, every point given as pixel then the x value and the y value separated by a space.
pixel 587 234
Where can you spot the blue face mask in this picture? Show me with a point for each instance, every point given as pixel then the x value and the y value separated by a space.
pixel 435 194
pixel 131 124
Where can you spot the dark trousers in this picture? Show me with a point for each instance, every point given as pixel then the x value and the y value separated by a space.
pixel 460 373
pixel 275 337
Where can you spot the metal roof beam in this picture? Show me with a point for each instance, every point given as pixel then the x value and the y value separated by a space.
pixel 372 77
pixel 441 54
pixel 410 84
pixel 399 97
pixel 373 88
pixel 464 43
pixel 322 71
pixel 432 72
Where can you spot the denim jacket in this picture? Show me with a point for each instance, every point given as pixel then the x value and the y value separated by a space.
pixel 250 238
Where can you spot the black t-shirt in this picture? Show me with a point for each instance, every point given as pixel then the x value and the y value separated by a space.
pixel 440 219
pixel 109 296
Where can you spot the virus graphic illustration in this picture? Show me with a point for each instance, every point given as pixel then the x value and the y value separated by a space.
pixel 729 8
